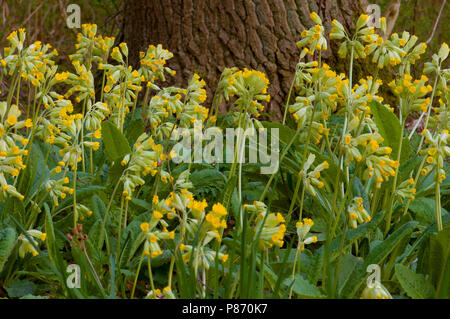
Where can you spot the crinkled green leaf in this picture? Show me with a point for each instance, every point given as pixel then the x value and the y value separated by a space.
pixel 8 237
pixel 415 285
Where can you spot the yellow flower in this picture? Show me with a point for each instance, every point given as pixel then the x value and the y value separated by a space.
pixel 157 214
pixel 11 120
pixel 348 139
pixel 145 227
pixel 98 133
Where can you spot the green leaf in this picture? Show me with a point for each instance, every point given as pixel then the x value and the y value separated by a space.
pixel 390 129
pixel 51 239
pixel 315 271
pixel 134 129
pixel 112 286
pixel 8 238
pixel 360 191
pixel 406 150
pixel 286 134
pixel 15 207
pixel 304 288
pixel 98 207
pixel 424 210
pixel 440 262
pixel 376 256
pixel 415 285
pixel 358 233
pixel 228 191
pixel 115 142
pixel 35 163
pixel 208 183
pixel 19 288
pixel 381 251
pixel 347 267
pixel 141 203
pixel 350 236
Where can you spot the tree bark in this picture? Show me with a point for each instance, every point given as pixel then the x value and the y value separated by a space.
pixel 207 36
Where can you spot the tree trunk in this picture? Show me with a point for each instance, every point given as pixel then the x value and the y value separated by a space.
pixel 207 36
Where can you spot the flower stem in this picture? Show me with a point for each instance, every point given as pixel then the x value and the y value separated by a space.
pixel 394 184
pixel 137 274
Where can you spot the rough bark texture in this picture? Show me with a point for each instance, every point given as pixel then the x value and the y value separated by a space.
pixel 208 35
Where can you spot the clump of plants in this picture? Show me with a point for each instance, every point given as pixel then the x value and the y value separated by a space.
pixel 89 175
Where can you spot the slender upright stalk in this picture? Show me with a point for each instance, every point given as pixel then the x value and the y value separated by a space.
pixel 75 196
pixel 137 275
pixel 394 184
pixel 437 192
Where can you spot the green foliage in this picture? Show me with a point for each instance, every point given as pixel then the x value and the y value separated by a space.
pixel 115 142
pixel 440 262
pixel 304 288
pixel 415 285
pixel 390 129
pixel 8 238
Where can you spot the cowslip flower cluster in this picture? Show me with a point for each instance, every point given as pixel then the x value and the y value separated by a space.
pixel 406 189
pixel 366 149
pixel 151 235
pixel 303 229
pixel 192 109
pixel 81 82
pixel 411 93
pixel 178 200
pixel 310 177
pixel 269 226
pixel 357 213
pixel 90 46
pixel 319 91
pixel 363 33
pixel 143 160
pixel 153 63
pixel 207 227
pixel 56 187
pixel 385 52
pixel 437 150
pixel 412 51
pixel 314 38
pixel 11 154
pixel 200 225
pixel 122 87
pixel 361 94
pixel 166 102
pixel 184 104
pixel 33 63
pixel 26 246
pixel 250 86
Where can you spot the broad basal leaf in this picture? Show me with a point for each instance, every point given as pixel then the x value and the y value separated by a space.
pixel 304 288
pixel 415 285
pixel 8 237
pixel 115 142
pixel 390 129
